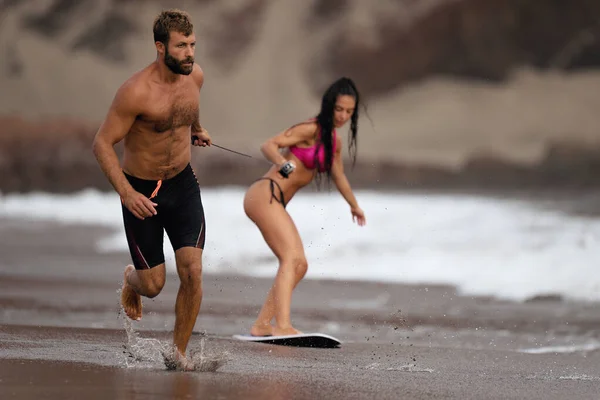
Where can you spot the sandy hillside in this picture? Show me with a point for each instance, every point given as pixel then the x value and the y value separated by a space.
pixel 259 61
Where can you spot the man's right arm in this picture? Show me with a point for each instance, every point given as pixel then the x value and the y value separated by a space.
pixel 116 125
pixel 121 115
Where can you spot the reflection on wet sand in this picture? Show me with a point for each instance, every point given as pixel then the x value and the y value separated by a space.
pixel 134 385
pixel 52 380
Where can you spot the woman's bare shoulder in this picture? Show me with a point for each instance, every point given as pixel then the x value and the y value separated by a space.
pixel 304 130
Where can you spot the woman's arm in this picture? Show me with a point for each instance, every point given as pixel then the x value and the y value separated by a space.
pixel 343 186
pixel 294 135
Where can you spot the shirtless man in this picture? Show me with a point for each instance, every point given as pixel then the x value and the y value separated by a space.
pixel 156 113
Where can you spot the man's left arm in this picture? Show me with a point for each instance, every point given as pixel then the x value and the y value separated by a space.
pixel 196 127
pixel 200 136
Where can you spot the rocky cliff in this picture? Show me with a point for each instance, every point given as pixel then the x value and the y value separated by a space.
pixel 458 93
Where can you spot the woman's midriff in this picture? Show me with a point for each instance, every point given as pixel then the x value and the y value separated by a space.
pixel 260 190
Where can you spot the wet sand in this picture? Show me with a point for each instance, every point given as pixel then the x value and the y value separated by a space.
pixel 62 335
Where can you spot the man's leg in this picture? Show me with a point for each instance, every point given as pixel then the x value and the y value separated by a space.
pixel 189 296
pixel 146 277
pixel 146 283
pixel 186 229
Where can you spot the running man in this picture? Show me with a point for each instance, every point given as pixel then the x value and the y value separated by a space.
pixel 156 112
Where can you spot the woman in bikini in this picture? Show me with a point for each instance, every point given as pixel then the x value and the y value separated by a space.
pixel 312 148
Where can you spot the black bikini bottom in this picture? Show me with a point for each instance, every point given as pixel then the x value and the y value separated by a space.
pixel 273 183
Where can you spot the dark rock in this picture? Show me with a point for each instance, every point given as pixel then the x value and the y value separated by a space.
pixel 471 39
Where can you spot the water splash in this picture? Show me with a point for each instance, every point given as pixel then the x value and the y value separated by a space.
pixel 208 362
pixel 150 352
pixel 142 352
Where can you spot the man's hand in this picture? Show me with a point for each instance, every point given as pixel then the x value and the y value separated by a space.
pixel 139 205
pixel 201 138
pixel 358 215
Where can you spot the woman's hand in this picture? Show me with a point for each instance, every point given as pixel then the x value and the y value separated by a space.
pixel 358 215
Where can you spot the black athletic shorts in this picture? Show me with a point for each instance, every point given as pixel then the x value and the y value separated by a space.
pixel 179 213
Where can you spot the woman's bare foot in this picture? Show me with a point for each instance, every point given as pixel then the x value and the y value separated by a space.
pixel 175 361
pixel 285 331
pixel 261 330
pixel 130 300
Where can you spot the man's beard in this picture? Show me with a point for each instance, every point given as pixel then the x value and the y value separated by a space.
pixel 178 67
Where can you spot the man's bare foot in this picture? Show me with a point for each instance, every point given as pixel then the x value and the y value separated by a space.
pixel 285 331
pixel 175 361
pixel 261 330
pixel 130 300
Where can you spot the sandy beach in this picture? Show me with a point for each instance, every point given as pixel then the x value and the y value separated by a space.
pixel 62 335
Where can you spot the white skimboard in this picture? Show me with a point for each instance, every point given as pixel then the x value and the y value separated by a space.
pixel 317 340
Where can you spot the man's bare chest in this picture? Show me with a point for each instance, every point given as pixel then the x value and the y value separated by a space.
pixel 168 111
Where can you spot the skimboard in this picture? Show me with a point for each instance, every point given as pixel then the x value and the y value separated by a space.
pixel 317 340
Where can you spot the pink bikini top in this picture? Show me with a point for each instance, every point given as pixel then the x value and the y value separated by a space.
pixel 307 154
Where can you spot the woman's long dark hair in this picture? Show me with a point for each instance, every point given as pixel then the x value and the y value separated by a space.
pixel 343 86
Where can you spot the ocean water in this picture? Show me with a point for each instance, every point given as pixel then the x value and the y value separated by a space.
pixel 484 246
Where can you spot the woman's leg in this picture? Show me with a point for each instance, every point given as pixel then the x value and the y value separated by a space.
pixel 281 235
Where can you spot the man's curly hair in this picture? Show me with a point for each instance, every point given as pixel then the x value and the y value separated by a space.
pixel 171 20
